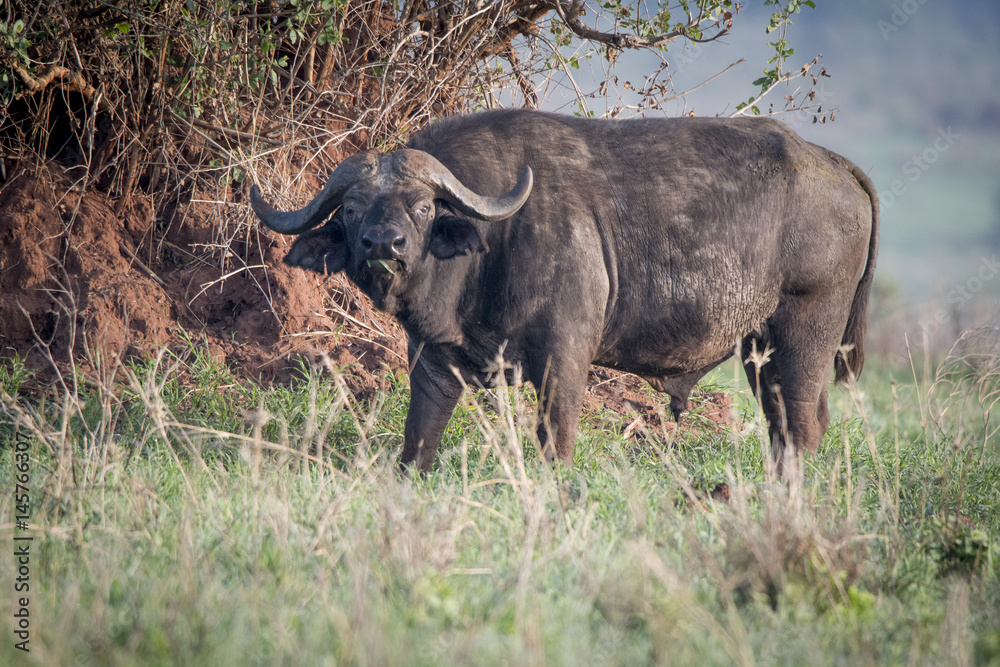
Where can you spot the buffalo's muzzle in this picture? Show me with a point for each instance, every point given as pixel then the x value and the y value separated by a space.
pixel 383 243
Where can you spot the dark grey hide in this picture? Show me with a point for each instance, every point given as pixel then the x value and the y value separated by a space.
pixel 659 247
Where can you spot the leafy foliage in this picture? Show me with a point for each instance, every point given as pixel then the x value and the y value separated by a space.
pixel 144 94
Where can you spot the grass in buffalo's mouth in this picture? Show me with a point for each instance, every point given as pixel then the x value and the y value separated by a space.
pixel 184 516
pixel 390 266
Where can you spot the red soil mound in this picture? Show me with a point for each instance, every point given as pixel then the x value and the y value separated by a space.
pixel 76 278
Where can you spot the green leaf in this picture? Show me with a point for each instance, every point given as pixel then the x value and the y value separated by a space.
pixel 384 265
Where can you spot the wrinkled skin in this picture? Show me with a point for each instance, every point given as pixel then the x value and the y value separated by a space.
pixel 659 247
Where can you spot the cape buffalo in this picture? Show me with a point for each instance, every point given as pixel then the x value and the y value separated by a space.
pixel 655 246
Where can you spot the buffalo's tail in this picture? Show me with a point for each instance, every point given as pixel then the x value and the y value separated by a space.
pixel 851 361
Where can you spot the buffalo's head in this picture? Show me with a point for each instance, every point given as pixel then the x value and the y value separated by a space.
pixel 391 212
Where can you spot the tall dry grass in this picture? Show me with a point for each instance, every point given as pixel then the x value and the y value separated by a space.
pixel 181 516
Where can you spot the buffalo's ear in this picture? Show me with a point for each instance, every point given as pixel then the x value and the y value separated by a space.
pixel 323 250
pixel 452 236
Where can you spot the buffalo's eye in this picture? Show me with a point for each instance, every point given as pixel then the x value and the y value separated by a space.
pixel 422 209
pixel 349 211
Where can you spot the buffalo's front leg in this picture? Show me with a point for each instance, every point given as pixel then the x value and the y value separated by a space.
pixel 433 396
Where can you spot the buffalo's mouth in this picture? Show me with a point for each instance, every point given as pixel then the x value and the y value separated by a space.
pixel 385 267
pixel 382 279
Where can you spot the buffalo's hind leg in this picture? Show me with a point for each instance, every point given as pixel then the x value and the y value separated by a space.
pixel 763 379
pixel 803 336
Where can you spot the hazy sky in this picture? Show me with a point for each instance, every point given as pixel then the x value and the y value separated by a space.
pixel 916 89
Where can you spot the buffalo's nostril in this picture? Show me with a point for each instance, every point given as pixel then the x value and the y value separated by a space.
pixel 383 243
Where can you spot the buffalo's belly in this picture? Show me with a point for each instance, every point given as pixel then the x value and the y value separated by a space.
pixel 682 336
pixel 659 356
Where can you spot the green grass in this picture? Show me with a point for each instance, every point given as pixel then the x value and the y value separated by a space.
pixel 183 516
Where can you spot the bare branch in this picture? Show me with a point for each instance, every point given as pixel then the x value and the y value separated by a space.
pixel 68 79
pixel 703 83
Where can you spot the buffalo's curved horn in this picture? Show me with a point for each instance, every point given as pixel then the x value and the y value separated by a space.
pixel 425 167
pixel 349 172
